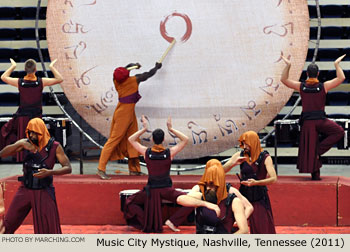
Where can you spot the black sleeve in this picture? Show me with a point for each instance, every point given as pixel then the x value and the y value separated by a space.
pixel 144 76
pixel 228 186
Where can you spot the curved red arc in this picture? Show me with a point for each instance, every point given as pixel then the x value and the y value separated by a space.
pixel 188 32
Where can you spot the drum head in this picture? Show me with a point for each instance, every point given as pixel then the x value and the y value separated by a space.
pixel 219 80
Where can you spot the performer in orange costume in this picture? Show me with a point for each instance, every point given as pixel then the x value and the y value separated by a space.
pixel 124 122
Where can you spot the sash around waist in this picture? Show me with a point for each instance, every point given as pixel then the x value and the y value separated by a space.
pixel 133 98
pixel 29 111
pixel 313 115
pixel 159 182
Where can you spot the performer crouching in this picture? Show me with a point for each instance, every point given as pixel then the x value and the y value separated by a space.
pixel 213 188
pixel 181 215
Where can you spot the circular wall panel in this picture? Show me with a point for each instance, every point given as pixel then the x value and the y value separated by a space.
pixel 220 79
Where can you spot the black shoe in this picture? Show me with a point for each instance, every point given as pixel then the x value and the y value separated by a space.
pixel 315 176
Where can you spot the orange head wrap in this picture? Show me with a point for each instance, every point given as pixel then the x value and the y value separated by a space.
pixel 214 174
pixel 38 126
pixel 252 140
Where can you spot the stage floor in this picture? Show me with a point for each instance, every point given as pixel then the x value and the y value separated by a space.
pixel 122 229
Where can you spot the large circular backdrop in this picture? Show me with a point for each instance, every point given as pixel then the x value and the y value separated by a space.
pixel 220 79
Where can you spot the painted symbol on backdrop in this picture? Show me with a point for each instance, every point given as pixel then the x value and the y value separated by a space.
pixel 198 131
pixel 73 37
pixel 188 32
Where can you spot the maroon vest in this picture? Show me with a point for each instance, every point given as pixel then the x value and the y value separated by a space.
pixel 46 158
pixel 158 166
pixel 30 94
pixel 51 159
pixel 256 171
pixel 313 101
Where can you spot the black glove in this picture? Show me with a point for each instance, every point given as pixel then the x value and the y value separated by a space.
pixel 158 65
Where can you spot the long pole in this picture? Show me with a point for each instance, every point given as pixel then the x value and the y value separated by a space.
pixel 166 51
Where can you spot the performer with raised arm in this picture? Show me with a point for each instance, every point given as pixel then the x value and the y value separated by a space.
pixel 30 89
pixel 256 172
pixel 36 191
pixel 313 119
pixel 143 209
pixel 124 122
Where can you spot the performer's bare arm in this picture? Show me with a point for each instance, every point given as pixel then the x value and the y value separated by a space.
pixel 133 139
pixel 183 139
pixel 62 159
pixel 194 200
pixel 248 208
pixel 195 189
pixel 5 77
pixel 240 217
pixel 271 175
pixel 22 144
pixel 236 159
pixel 144 76
pixel 328 85
pixel 285 77
pixel 2 227
pixel 57 76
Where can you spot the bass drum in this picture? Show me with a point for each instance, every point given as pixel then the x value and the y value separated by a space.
pixel 287 131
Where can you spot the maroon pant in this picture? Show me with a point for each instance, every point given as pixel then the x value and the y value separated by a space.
pixel 310 147
pixel 261 221
pixel 144 211
pixel 45 213
pixel 180 216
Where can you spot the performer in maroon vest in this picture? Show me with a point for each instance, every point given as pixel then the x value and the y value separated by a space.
pixel 30 92
pixel 143 209
pixel 257 171
pixel 36 191
pixel 313 119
